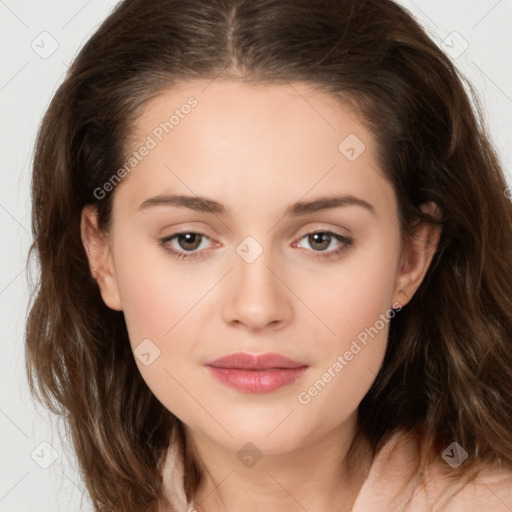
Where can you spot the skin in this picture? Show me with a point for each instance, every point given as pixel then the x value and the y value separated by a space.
pixel 258 149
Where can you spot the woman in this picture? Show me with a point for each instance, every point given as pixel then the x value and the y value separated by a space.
pixel 275 252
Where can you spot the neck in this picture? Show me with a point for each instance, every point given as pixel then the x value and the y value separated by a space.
pixel 316 476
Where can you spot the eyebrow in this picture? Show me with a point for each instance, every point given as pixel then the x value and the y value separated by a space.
pixel 204 204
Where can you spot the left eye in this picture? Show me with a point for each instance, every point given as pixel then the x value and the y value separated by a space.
pixel 320 241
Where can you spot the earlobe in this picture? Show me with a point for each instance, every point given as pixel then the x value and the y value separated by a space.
pixel 97 248
pixel 417 254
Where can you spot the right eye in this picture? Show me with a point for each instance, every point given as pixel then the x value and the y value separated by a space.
pixel 184 244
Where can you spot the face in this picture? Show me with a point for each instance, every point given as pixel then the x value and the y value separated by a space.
pixel 257 222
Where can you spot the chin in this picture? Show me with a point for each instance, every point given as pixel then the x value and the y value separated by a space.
pixel 268 433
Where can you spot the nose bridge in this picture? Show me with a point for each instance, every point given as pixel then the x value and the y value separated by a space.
pixel 257 298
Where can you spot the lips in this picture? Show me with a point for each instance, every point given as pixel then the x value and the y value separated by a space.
pixel 256 373
pixel 243 361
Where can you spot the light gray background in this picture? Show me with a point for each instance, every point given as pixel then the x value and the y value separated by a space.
pixel 28 78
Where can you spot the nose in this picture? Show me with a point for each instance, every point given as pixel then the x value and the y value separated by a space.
pixel 257 299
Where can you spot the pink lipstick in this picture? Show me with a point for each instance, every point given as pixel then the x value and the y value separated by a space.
pixel 261 373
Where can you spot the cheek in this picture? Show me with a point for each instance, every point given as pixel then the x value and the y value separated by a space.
pixel 355 308
pixel 158 305
pixel 351 296
pixel 162 307
pixel 156 293
pixel 348 366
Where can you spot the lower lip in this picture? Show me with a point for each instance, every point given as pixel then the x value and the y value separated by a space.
pixel 257 381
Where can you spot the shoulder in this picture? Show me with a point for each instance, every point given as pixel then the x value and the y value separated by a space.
pixel 491 489
pixel 173 473
pixel 389 486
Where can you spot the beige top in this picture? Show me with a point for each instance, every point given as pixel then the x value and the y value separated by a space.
pixel 491 492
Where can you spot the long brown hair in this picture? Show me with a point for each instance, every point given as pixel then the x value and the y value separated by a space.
pixel 447 373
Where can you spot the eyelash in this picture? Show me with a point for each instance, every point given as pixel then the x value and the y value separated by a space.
pixel 164 243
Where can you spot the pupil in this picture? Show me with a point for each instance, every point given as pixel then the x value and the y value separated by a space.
pixel 321 239
pixel 189 241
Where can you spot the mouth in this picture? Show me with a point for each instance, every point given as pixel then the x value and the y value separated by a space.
pixel 256 373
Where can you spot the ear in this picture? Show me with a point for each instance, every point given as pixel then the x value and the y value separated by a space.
pixel 417 254
pixel 97 248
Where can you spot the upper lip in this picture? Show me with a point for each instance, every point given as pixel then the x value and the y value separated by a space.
pixel 244 361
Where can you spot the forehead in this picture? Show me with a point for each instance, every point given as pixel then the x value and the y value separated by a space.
pixel 251 141
pixel 228 108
